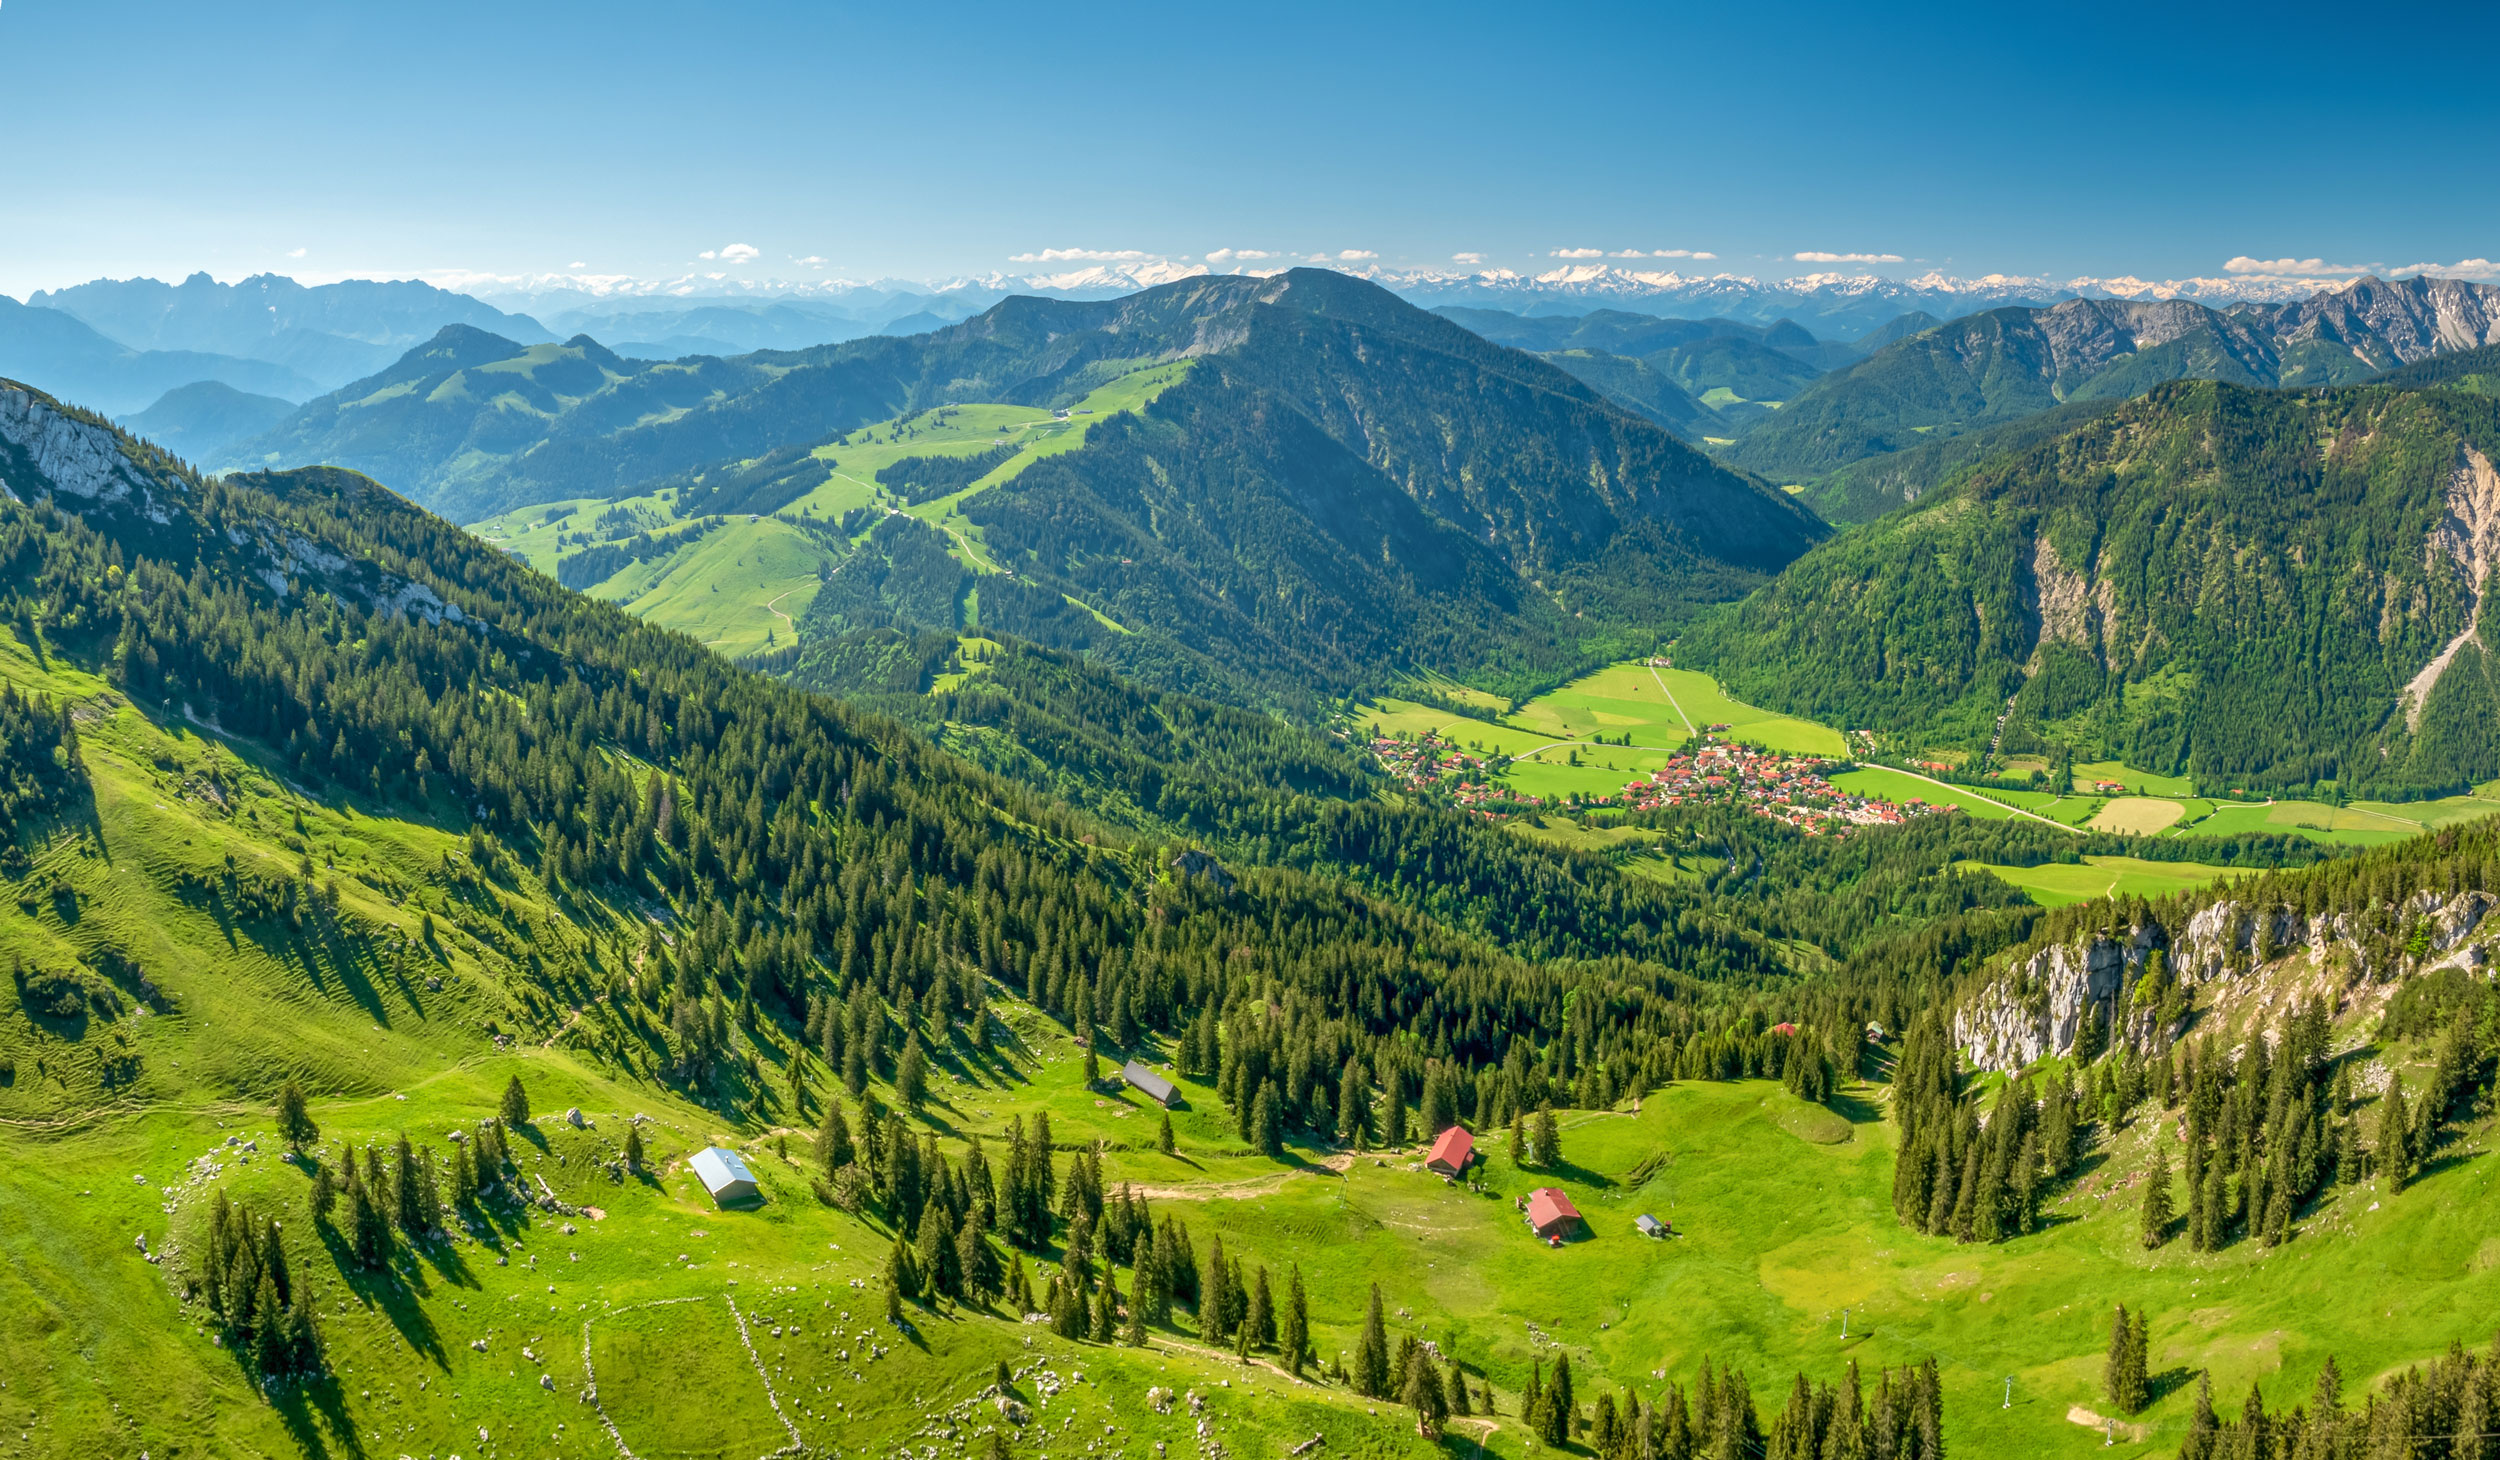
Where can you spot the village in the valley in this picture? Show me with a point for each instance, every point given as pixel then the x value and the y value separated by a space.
pixel 1793 789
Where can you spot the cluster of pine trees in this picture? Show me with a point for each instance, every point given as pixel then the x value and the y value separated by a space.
pixel 2447 1409
pixel 39 769
pixel 242 1274
pixel 2125 1374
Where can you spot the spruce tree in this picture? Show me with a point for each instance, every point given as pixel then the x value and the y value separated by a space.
pixel 2393 1153
pixel 1547 1147
pixel 515 1109
pixel 2114 1365
pixel 295 1122
pixel 2155 1225
pixel 1425 1397
pixel 1295 1332
pixel 1371 1352
pixel 1561 1409
pixel 911 1075
pixel 833 1140
pixel 1163 1136
pixel 1261 1317
pixel 633 1148
pixel 2202 1429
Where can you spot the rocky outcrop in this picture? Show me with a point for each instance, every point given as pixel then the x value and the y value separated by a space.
pixel 2036 1007
pixel 97 472
pixel 48 451
pixel 2468 536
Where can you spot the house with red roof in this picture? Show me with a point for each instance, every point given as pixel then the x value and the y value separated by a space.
pixel 1551 1214
pixel 1452 1152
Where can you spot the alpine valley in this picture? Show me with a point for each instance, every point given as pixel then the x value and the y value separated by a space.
pixel 1250 864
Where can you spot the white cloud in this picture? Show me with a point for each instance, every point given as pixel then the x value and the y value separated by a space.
pixel 295 253
pixel 1579 253
pixel 2305 267
pixel 1238 255
pixel 2461 269
pixel 812 261
pixel 736 253
pixel 1466 258
pixel 1817 257
pixel 577 264
pixel 1082 255
pixel 1675 253
pixel 1356 253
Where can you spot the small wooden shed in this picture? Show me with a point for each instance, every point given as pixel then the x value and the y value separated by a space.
pixel 725 1175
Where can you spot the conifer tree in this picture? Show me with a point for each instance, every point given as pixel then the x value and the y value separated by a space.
pixel 1294 1334
pixel 1260 1318
pixel 2155 1225
pixel 295 1122
pixel 2392 1155
pixel 1371 1352
pixel 2201 1435
pixel 1163 1136
pixel 1424 1396
pixel 911 1075
pixel 633 1148
pixel 515 1108
pixel 1561 1409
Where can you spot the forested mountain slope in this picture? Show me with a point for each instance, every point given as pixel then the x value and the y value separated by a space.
pixel 2260 589
pixel 1340 488
pixel 2003 364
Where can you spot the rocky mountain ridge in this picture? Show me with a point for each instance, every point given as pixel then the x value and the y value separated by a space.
pixel 2038 1006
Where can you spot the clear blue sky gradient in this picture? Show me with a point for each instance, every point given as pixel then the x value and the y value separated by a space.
pixel 159 136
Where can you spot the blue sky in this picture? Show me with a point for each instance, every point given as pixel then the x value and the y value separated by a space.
pixel 534 136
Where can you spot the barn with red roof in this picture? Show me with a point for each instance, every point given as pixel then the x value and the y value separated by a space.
pixel 1551 1214
pixel 1452 1152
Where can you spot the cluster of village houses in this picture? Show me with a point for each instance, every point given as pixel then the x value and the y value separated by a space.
pixel 1429 762
pixel 1793 789
pixel 1789 788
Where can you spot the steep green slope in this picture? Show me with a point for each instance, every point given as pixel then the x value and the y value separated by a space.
pixel 1866 489
pixel 2476 371
pixel 2256 589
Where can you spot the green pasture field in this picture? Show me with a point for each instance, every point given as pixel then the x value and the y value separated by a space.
pixel 1700 697
pixel 2141 783
pixel 2055 884
pixel 120 1131
pixel 741 588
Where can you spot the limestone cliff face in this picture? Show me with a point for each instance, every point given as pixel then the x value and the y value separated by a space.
pixel 2035 1008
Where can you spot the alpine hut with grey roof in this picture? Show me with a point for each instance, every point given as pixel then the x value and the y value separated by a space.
pixel 724 1174
pixel 1151 1085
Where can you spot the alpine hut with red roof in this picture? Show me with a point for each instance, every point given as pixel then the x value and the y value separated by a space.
pixel 1452 1152
pixel 1551 1214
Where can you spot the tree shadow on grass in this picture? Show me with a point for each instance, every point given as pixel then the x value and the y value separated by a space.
pixel 2161 1386
pixel 2449 1160
pixel 301 1405
pixel 397 1291
pixel 1853 1109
